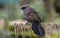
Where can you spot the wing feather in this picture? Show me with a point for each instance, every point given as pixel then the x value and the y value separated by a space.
pixel 35 17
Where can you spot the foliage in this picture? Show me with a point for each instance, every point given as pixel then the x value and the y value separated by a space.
pixel 57 3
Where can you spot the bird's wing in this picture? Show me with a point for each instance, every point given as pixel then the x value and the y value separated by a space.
pixel 35 17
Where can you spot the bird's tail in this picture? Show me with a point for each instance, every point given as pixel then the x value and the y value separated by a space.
pixel 38 29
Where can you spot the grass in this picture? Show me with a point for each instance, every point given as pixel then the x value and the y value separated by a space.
pixel 27 34
pixel 56 34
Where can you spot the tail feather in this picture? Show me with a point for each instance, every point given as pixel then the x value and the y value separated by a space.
pixel 38 29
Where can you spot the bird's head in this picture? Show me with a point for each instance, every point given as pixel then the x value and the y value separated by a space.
pixel 25 6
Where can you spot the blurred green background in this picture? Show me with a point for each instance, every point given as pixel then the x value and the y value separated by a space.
pixel 10 13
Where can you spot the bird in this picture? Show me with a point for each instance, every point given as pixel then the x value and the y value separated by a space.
pixel 32 16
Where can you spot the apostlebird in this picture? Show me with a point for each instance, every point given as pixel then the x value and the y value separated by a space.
pixel 32 16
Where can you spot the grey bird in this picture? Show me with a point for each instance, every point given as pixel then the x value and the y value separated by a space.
pixel 32 16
